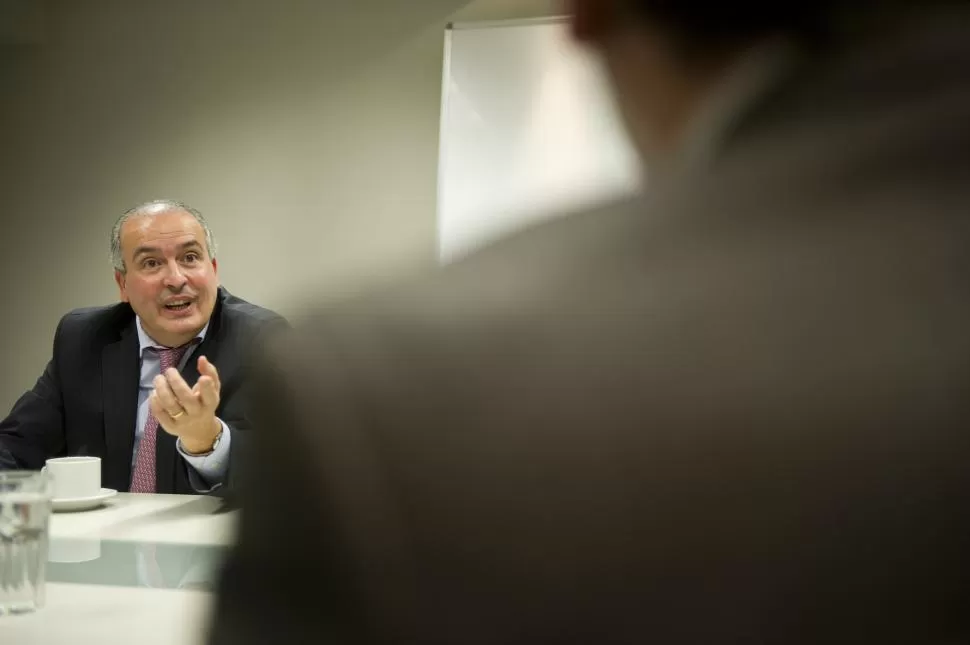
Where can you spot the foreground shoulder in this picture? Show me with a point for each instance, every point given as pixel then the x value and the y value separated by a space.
pixel 249 314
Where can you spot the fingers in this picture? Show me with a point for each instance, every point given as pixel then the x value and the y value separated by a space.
pixel 208 392
pixel 208 369
pixel 174 394
pixel 165 420
pixel 166 397
pixel 176 386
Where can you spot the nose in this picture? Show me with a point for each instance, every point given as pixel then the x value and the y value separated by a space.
pixel 174 278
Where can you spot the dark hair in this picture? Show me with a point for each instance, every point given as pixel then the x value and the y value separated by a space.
pixel 707 26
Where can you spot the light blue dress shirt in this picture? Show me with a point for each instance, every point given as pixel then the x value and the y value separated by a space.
pixel 206 472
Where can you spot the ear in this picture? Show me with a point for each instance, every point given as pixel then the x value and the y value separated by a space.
pixel 215 269
pixel 590 18
pixel 120 280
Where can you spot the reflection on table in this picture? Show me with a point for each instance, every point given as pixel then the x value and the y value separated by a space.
pixel 139 568
pixel 158 565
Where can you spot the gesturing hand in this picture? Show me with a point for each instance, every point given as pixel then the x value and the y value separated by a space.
pixel 189 413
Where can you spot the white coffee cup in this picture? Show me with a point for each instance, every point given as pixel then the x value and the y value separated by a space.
pixel 74 477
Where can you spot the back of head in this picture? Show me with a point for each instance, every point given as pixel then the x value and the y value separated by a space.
pixel 708 25
pixel 668 60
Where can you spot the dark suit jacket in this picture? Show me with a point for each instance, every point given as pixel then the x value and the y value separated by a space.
pixel 86 401
pixel 734 412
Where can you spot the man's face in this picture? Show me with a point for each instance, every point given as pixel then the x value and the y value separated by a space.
pixel 169 280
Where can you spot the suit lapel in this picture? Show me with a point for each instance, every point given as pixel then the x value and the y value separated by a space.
pixel 119 387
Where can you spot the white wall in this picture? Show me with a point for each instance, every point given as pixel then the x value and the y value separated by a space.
pixel 529 130
pixel 306 131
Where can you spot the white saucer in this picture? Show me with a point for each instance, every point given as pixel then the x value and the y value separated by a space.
pixel 84 503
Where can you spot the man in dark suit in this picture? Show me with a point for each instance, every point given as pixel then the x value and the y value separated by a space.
pixel 154 385
pixel 734 411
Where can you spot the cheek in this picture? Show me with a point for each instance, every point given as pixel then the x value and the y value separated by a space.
pixel 204 280
pixel 199 280
pixel 142 289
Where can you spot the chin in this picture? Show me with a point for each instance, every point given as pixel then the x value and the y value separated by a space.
pixel 184 325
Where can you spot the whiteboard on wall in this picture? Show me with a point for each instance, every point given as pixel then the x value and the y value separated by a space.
pixel 528 128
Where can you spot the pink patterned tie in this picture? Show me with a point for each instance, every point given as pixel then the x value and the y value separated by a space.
pixel 143 476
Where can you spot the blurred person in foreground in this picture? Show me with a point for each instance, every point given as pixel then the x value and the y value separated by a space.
pixel 154 384
pixel 734 411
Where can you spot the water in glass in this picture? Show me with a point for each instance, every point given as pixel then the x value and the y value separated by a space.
pixel 25 506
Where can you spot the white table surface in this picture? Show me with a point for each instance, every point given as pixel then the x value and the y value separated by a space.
pixel 181 519
pixel 103 614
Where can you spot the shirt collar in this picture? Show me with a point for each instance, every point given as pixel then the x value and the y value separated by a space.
pixel 145 341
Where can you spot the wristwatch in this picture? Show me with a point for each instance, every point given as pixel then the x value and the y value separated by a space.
pixel 215 444
pixel 212 448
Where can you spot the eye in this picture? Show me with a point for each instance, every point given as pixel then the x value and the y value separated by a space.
pixel 149 263
pixel 192 256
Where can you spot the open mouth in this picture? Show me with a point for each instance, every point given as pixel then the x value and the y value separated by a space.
pixel 178 305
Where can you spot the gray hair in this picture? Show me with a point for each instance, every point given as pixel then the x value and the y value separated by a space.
pixel 156 207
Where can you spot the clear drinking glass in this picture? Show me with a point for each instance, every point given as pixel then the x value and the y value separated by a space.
pixel 25 508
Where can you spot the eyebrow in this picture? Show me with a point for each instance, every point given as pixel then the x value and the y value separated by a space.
pixel 144 250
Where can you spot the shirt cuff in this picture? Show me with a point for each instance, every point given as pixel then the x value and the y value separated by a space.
pixel 208 472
